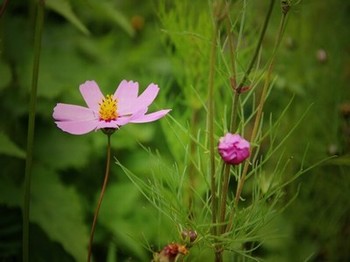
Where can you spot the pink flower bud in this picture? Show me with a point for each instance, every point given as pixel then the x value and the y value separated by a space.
pixel 233 148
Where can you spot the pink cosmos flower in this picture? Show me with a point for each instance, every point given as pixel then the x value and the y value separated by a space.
pixel 233 148
pixel 111 111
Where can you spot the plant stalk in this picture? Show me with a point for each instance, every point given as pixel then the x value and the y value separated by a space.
pixel 101 196
pixel 39 25
pixel 211 127
pixel 258 115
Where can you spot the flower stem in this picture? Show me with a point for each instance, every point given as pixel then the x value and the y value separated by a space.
pixel 260 106
pixel 251 64
pixel 101 196
pixel 223 197
pixel 258 115
pixel 39 24
pixel 227 168
pixel 211 126
pixel 235 102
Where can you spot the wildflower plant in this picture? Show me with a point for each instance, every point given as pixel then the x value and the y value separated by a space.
pixel 220 140
pixel 226 157
pixel 107 113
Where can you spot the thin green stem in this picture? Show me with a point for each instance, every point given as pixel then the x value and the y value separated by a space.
pixel 238 89
pixel 191 167
pixel 258 116
pixel 101 196
pixel 258 45
pixel 211 126
pixel 39 25
pixel 260 107
pixel 223 199
pixel 227 168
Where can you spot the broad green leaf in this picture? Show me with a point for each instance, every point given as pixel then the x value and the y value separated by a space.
pixel 7 147
pixel 58 210
pixel 63 7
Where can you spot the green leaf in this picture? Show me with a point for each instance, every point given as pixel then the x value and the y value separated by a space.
pixel 58 210
pixel 7 147
pixel 60 150
pixel 121 213
pixel 63 7
pixel 107 11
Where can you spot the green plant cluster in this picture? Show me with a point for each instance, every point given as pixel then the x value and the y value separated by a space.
pixel 159 184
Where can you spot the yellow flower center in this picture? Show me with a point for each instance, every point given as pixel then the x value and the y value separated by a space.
pixel 108 109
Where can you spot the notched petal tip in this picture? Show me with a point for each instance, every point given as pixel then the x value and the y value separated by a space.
pixel 126 90
pixel 91 93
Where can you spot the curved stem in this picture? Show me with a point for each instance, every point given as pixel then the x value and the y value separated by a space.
pixel 260 108
pixel 258 116
pixel 39 25
pixel 101 196
pixel 238 89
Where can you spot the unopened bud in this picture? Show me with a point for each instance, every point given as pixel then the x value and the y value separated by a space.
pixel 189 235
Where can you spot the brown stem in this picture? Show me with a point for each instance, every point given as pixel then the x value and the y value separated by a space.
pixel 101 197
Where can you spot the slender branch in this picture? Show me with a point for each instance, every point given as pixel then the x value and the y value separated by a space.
pixel 223 197
pixel 101 196
pixel 39 25
pixel 226 168
pixel 260 108
pixel 237 91
pixel 191 167
pixel 211 126
pixel 258 115
pixel 257 49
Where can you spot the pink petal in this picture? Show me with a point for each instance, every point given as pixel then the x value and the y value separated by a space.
pixel 126 95
pixel 150 117
pixel 148 96
pixel 123 120
pixel 91 94
pixel 111 124
pixel 127 90
pixel 77 127
pixel 66 112
pixel 143 101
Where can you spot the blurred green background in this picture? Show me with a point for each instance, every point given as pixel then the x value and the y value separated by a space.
pixel 108 41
